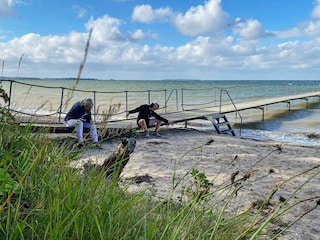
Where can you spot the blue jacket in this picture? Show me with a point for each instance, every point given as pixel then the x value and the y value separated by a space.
pixel 77 112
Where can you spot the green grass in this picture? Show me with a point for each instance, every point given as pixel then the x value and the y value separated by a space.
pixel 41 197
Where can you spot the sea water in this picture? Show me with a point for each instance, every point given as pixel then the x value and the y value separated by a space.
pixel 299 125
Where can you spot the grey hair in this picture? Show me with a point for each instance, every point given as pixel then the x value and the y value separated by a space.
pixel 87 102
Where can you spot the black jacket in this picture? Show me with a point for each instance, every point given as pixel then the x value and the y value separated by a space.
pixel 145 112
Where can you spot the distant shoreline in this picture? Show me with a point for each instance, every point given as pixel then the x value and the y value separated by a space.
pixel 166 79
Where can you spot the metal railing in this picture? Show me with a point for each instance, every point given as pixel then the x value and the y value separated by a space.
pixel 169 97
pixel 60 98
pixel 209 97
pixel 234 105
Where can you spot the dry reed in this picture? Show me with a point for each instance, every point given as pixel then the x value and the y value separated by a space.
pixel 71 93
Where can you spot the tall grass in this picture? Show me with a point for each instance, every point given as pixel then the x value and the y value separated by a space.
pixel 19 64
pixel 3 61
pixel 43 198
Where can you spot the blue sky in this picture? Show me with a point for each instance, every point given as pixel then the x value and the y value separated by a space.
pixel 135 39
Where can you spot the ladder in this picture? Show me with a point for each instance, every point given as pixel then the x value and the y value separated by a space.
pixel 221 123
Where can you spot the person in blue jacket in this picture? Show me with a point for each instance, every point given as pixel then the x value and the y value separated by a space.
pixel 147 117
pixel 79 116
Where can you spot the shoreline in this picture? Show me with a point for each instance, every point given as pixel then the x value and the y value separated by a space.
pixel 269 163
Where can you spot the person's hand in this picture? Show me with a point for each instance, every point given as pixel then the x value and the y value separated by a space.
pixel 91 122
pixel 171 123
pixel 127 115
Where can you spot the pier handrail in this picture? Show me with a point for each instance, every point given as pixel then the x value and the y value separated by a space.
pixel 183 104
pixel 64 98
pixel 168 98
pixel 234 105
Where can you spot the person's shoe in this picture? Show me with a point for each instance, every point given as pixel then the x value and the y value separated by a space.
pixel 96 145
pixel 157 134
pixel 81 146
pixel 147 135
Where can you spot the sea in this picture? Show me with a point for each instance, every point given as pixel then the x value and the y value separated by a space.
pixel 298 123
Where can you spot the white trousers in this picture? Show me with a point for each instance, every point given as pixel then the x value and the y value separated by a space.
pixel 79 125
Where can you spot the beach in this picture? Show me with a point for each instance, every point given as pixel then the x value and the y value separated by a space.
pixel 265 165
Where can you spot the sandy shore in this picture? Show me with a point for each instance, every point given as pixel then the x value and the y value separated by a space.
pixel 268 163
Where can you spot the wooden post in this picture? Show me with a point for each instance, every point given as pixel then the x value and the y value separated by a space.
pixel 10 95
pixel 61 103
pixel 115 163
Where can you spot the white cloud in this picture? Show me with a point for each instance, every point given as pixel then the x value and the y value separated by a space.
pixel 122 56
pixel 146 14
pixel 311 29
pixel 81 12
pixel 47 49
pixel 137 35
pixel 55 55
pixel 316 11
pixel 250 29
pixel 105 29
pixel 143 13
pixel 5 7
pixel 305 29
pixel 202 19
pixel 291 33
pixel 203 57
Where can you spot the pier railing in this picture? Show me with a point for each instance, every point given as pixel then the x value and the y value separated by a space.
pixel 223 91
pixel 52 103
pixel 209 97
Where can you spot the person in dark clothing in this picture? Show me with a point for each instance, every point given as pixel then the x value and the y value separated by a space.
pixel 80 117
pixel 147 117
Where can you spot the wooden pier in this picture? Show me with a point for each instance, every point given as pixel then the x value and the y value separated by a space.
pixel 238 107
pixel 203 113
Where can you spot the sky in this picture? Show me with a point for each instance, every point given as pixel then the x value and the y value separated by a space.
pixel 135 39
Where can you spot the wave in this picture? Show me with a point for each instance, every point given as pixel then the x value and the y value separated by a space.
pixel 303 138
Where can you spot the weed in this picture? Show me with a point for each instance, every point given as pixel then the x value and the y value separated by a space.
pixel 200 187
